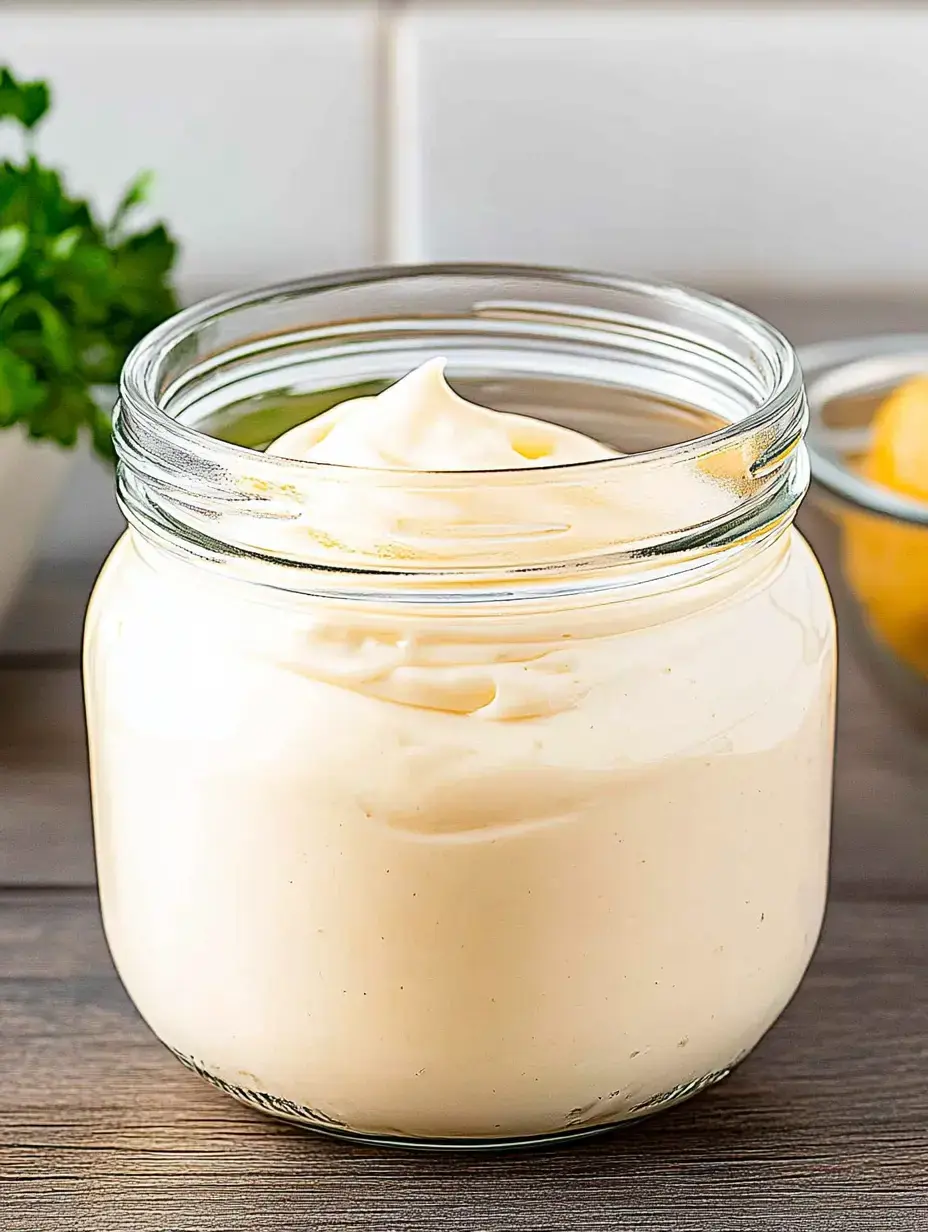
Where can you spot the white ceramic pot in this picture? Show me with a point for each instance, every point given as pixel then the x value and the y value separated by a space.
pixel 31 475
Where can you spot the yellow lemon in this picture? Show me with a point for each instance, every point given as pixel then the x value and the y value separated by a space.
pixel 886 562
pixel 898 456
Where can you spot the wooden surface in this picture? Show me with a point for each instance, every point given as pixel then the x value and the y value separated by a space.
pixel 823 1129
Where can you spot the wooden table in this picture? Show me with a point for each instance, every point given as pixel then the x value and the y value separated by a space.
pixel 824 1128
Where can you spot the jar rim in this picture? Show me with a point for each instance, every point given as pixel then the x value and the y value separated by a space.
pixel 139 372
pixel 842 369
pixel 169 472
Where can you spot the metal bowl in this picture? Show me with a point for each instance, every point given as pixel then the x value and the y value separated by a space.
pixel 872 542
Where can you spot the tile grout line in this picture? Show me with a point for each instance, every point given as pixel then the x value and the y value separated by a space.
pixel 399 229
pixel 381 137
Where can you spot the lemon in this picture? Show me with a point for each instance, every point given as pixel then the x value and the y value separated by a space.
pixel 898 456
pixel 886 562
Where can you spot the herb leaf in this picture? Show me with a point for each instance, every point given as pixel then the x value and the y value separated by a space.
pixel 76 293
pixel 13 241
pixel 25 101
pixel 136 194
pixel 20 391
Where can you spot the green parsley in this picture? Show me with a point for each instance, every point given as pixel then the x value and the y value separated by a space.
pixel 76 293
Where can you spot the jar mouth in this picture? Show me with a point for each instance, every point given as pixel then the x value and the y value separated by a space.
pixel 846 380
pixel 502 321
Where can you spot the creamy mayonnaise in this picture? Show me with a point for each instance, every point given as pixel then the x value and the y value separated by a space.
pixel 451 870
pixel 393 490
pixel 421 424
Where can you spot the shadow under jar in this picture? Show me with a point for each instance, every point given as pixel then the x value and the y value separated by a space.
pixel 462 809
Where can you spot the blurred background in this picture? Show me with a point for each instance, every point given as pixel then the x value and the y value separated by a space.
pixel 772 152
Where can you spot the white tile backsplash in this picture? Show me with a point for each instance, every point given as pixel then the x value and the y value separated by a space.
pixel 258 121
pixel 716 144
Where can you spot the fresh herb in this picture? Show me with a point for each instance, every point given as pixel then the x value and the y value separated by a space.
pixel 76 294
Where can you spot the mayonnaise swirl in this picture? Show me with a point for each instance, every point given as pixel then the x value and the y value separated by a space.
pixel 416 431
pixel 421 424
pixel 380 500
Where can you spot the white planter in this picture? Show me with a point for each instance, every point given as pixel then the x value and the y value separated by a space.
pixel 31 475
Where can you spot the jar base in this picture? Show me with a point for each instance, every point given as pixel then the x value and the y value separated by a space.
pixel 319 1123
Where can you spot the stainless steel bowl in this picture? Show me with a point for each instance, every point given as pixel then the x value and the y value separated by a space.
pixel 872 542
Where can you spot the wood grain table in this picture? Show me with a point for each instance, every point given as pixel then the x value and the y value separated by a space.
pixel 823 1129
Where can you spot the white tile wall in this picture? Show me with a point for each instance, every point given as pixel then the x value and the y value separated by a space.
pixel 258 121
pixel 723 144
pixel 726 144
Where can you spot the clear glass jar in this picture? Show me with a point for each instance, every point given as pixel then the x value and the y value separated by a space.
pixel 502 843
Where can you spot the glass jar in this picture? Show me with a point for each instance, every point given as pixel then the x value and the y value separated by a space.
pixel 873 541
pixel 454 808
